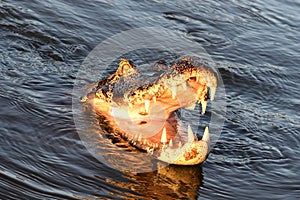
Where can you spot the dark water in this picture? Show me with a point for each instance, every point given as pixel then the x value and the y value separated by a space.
pixel 255 45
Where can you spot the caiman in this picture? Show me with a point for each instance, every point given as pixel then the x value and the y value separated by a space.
pixel 141 110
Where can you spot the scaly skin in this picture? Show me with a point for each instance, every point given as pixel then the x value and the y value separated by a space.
pixel 144 116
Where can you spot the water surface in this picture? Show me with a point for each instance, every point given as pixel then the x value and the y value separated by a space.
pixel 256 48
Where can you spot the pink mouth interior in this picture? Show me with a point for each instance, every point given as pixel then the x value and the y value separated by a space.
pixel 140 125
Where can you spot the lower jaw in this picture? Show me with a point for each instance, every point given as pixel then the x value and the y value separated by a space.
pixel 172 149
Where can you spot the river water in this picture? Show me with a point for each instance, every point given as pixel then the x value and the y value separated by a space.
pixel 255 45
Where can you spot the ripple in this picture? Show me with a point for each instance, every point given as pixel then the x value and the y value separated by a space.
pixel 41 49
pixel 27 188
pixel 209 39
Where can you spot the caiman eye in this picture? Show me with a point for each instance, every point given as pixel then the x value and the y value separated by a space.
pixel 193 78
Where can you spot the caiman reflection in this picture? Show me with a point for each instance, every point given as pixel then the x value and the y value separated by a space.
pixel 144 114
pixel 171 182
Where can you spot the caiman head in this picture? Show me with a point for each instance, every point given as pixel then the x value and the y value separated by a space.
pixel 141 109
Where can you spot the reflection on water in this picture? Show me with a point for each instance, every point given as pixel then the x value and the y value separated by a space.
pixel 256 47
pixel 175 182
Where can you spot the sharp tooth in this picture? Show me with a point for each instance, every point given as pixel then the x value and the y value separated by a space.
pixel 147 105
pixel 212 93
pixel 154 99
pixel 148 149
pixel 171 143
pixel 145 142
pixel 203 104
pixel 164 136
pixel 173 91
pixel 197 78
pixel 179 144
pixel 205 136
pixel 191 137
pixel 140 138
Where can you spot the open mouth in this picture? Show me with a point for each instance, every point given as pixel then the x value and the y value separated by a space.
pixel 145 114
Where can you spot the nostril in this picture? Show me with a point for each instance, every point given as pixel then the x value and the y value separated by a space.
pixel 143 113
pixel 142 122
